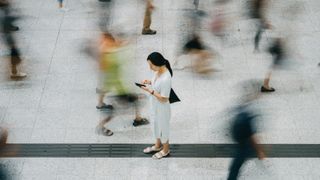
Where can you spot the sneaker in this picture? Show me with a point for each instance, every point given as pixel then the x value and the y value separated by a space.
pixel 149 32
pixel 141 122
pixel 18 75
pixel 263 89
pixel 14 28
pixel 105 106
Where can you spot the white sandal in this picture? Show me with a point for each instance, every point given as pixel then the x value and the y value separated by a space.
pixel 152 149
pixel 160 155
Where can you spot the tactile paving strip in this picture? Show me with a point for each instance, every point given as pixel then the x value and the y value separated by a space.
pixel 135 150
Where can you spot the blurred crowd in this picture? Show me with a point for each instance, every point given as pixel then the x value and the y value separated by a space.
pixel 114 95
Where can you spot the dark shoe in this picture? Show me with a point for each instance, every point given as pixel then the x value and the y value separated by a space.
pixel 14 28
pixel 105 106
pixel 149 32
pixel 263 89
pixel 141 122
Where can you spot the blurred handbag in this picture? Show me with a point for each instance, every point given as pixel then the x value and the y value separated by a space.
pixel 173 97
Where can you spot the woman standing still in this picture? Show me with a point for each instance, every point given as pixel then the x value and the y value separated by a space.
pixel 160 105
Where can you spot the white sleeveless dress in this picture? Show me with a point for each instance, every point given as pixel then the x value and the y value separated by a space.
pixel 161 112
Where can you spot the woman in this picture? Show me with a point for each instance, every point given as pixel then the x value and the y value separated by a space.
pixel 110 80
pixel 160 105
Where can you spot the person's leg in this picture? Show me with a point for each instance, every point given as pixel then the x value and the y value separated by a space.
pixel 235 168
pixel 164 152
pixel 236 165
pixel 139 120
pixel 104 121
pixel 60 3
pixel 14 57
pixel 104 86
pixel 62 6
pixel 137 111
pixel 267 80
pixel 101 129
pixel 166 147
pixel 14 65
pixel 100 100
pixel 3 137
pixel 101 104
pixel 147 19
pixel 258 35
pixel 158 143
pixel 266 87
pixel 196 4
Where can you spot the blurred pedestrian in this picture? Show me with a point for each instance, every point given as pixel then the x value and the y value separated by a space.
pixel 160 105
pixel 110 80
pixel 203 58
pixel 147 19
pixel 244 132
pixel 109 69
pixel 7 27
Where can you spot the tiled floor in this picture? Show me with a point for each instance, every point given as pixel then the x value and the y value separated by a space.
pixel 56 103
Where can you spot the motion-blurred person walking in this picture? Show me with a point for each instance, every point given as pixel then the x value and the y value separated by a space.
pixel 110 80
pixel 203 57
pixel 243 131
pixel 7 28
pixel 200 55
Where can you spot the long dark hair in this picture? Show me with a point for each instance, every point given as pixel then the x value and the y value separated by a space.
pixel 158 60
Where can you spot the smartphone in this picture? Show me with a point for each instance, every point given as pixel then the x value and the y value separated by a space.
pixel 140 85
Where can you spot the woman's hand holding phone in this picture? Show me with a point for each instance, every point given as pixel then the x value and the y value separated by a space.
pixel 143 85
